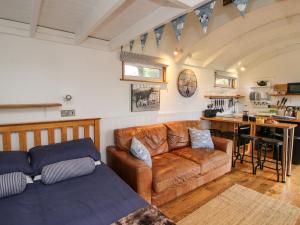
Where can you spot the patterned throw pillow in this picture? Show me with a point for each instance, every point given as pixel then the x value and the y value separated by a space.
pixel 139 151
pixel 201 139
pixel 64 170
pixel 12 184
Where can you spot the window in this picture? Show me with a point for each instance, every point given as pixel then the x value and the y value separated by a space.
pixel 225 80
pixel 140 72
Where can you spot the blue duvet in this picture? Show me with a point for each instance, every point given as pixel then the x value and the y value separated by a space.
pixel 97 199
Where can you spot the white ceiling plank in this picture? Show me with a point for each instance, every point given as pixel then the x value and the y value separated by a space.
pixel 187 3
pixel 36 9
pixel 100 12
pixel 159 17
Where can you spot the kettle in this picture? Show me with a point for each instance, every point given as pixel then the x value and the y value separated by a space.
pixel 289 111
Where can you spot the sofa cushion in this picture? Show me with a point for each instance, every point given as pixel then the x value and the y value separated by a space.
pixel 201 139
pixel 153 137
pixel 178 134
pixel 170 170
pixel 206 158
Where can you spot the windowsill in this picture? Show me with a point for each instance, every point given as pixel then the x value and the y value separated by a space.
pixel 144 81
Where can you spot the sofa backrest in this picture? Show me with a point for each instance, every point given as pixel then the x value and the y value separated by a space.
pixel 178 134
pixel 154 137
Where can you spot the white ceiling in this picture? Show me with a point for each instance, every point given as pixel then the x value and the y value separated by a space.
pixel 270 27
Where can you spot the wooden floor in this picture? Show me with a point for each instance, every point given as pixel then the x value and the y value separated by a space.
pixel 264 182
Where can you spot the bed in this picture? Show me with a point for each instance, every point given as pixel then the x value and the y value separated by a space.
pixel 100 198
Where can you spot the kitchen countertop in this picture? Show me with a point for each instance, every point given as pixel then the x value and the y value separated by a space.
pixel 240 121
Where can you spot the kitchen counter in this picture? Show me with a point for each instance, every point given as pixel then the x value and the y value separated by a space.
pixel 233 123
pixel 234 120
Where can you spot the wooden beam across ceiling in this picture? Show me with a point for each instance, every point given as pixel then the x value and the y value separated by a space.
pixel 102 10
pixel 36 10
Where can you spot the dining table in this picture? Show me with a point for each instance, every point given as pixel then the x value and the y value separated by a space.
pixel 288 136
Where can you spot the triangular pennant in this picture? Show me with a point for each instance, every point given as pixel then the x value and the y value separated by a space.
pixel 241 5
pixel 143 39
pixel 204 13
pixel 158 34
pixel 131 43
pixel 178 25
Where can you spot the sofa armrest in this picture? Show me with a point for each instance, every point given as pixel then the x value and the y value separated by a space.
pixel 223 144
pixel 133 171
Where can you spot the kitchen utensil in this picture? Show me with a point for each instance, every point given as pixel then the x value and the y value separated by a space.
pixel 285 101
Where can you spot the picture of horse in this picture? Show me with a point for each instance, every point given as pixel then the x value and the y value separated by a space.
pixel 145 97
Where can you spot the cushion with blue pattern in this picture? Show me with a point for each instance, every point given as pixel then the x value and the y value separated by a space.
pixel 139 151
pixel 201 139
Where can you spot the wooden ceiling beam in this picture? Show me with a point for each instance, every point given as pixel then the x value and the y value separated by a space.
pixel 36 10
pixel 100 13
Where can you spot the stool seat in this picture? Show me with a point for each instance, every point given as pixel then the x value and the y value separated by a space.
pixel 249 137
pixel 228 134
pixel 270 141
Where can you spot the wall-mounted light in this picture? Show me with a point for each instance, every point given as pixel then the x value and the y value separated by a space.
pixel 177 52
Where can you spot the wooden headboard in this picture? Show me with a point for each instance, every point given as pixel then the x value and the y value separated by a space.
pixel 65 127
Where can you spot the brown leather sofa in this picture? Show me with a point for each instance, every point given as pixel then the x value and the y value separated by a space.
pixel 177 168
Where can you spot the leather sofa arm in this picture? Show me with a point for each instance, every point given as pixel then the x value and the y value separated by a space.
pixel 223 144
pixel 133 171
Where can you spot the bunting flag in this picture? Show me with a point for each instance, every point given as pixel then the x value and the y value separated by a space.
pixel 204 13
pixel 131 43
pixel 158 34
pixel 178 25
pixel 143 39
pixel 241 5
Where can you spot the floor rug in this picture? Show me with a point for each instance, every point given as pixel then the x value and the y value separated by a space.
pixel 239 205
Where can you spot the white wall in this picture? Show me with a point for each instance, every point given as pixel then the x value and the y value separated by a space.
pixel 281 69
pixel 35 71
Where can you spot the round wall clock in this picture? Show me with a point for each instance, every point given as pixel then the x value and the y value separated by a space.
pixel 187 83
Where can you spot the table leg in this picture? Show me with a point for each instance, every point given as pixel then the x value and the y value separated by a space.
pixel 285 153
pixel 290 151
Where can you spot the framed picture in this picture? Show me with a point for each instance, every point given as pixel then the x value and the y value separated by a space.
pixel 145 97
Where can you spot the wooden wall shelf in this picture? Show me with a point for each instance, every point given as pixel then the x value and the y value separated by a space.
pixel 28 106
pixel 278 95
pixel 223 96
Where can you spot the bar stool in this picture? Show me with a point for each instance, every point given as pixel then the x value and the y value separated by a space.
pixel 243 140
pixel 215 132
pixel 264 143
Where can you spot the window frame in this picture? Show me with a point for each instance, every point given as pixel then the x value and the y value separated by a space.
pixel 232 81
pixel 143 79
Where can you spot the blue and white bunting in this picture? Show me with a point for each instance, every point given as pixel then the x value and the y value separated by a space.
pixel 204 13
pixel 241 5
pixel 178 25
pixel 131 43
pixel 158 34
pixel 143 39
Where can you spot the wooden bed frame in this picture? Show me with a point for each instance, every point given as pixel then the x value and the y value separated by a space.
pixel 6 131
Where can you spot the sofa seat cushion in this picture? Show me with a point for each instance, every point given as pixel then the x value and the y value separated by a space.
pixel 206 158
pixel 170 170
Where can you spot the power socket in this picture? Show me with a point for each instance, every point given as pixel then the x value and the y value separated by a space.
pixel 67 113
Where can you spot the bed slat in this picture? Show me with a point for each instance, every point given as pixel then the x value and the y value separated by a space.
pixel 51 136
pixel 6 141
pixel 75 133
pixel 37 138
pixel 23 141
pixel 63 134
pixel 86 131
